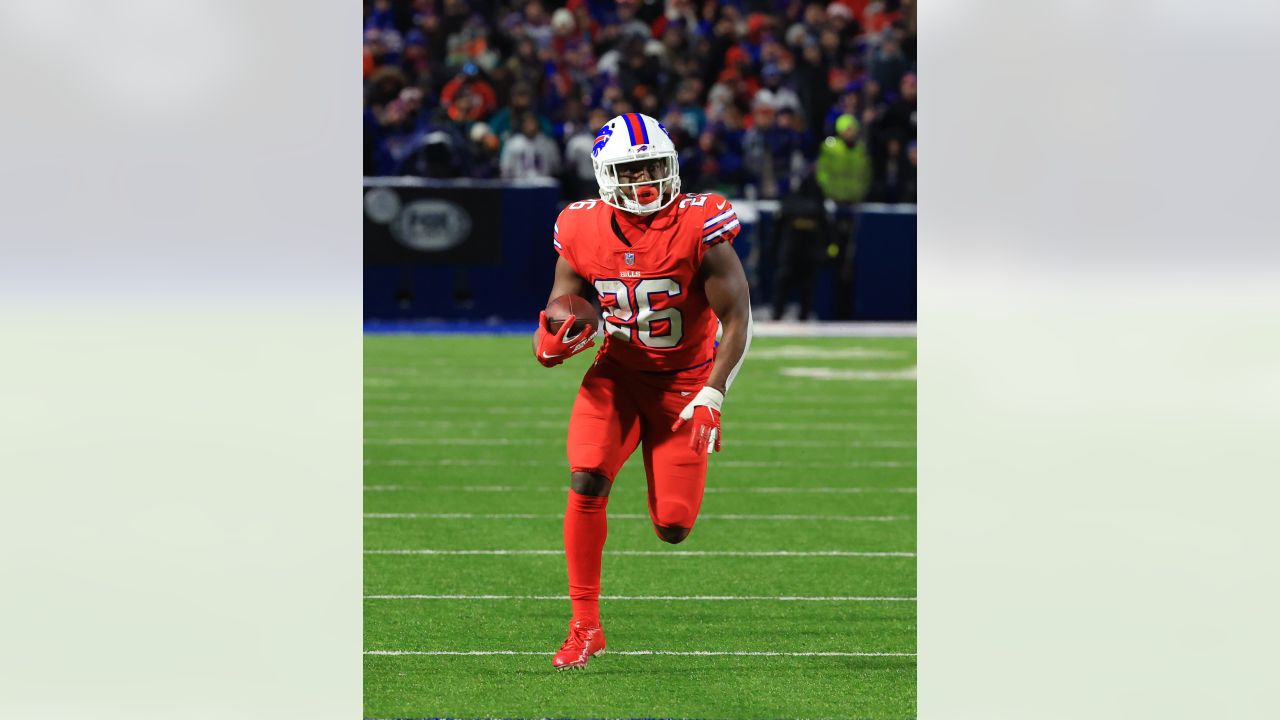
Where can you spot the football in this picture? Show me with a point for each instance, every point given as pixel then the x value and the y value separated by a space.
pixel 562 307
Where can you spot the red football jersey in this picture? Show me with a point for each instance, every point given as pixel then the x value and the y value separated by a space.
pixel 645 271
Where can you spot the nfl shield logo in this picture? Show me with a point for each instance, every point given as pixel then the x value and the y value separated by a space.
pixel 629 258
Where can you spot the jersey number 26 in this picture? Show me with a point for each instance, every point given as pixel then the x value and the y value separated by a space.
pixel 635 315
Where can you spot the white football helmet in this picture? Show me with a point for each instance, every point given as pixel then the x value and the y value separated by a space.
pixel 630 138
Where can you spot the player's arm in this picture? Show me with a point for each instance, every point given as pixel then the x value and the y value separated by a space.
pixel 568 282
pixel 725 283
pixel 726 286
pixel 549 348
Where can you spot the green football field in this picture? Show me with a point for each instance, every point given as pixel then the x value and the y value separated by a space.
pixel 794 597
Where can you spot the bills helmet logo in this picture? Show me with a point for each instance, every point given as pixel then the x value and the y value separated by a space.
pixel 605 133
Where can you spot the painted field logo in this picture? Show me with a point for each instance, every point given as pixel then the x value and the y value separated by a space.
pixel 606 132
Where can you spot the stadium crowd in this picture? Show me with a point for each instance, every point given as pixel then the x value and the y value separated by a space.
pixel 756 94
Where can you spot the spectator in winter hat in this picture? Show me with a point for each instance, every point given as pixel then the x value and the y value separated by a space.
pixel 849 103
pixel 844 168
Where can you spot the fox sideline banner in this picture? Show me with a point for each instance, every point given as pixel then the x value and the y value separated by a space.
pixel 414 221
pixel 457 249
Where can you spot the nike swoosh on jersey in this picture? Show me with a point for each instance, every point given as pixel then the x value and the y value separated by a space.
pixel 721 205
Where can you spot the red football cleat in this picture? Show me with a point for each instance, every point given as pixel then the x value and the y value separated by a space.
pixel 584 642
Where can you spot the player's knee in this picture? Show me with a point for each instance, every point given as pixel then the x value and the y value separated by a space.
pixel 587 483
pixel 672 520
pixel 673 534
pixel 673 511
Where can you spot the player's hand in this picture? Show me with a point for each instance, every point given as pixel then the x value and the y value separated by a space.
pixel 704 411
pixel 554 348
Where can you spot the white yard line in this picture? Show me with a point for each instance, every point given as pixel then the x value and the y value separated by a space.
pixel 693 653
pixel 657 598
pixel 818 352
pixel 659 553
pixel 840 518
pixel 844 402
pixel 486 441
pixel 895 410
pixel 826 373
pixel 733 423
pixel 454 380
pixel 563 489
pixel 830 444
pixel 492 441
pixel 478 409
pixel 794 464
pixel 561 424
pixel 464 462
pixel 630 516
pixel 788 328
pixel 808 490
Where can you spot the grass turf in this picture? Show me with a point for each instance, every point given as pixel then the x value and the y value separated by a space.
pixel 471 425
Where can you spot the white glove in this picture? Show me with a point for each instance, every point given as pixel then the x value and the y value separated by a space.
pixel 704 410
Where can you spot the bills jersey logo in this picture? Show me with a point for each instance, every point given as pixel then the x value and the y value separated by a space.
pixel 605 133
pixel 629 258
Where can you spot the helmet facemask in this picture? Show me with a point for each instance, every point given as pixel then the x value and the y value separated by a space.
pixel 659 187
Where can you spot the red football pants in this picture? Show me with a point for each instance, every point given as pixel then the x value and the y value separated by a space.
pixel 617 410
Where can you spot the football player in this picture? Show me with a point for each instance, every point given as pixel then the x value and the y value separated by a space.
pixel 663 267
